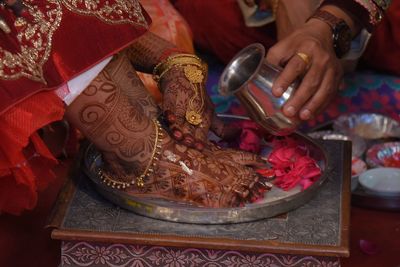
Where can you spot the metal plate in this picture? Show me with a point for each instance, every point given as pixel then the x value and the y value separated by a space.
pixel 367 125
pixel 276 202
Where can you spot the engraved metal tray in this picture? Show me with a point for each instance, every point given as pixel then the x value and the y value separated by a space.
pixel 276 201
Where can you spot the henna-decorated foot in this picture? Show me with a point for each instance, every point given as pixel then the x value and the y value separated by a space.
pixel 186 175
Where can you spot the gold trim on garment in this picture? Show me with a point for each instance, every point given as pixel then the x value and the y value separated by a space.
pixel 35 36
pixel 112 12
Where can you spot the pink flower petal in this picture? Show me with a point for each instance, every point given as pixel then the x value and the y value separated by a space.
pixel 368 247
pixel 305 183
pixel 292 164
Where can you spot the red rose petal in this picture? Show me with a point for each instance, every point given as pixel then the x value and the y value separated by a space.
pixel 368 247
pixel 292 165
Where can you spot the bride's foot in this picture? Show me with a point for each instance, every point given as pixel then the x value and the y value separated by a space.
pixel 183 174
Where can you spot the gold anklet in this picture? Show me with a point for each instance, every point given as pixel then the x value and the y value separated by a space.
pixel 150 167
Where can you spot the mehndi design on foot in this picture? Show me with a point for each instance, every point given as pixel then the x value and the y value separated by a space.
pixel 117 114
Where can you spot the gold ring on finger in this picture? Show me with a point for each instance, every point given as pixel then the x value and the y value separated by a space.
pixel 304 57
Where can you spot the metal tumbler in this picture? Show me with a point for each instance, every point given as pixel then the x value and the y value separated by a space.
pixel 250 78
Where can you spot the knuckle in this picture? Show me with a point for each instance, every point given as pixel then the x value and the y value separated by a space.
pixel 325 58
pixel 282 81
pixel 314 104
pixel 273 51
pixel 274 55
pixel 312 83
pixel 312 44
pixel 332 90
pixel 298 68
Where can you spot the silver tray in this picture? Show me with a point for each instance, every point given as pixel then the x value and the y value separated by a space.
pixel 276 202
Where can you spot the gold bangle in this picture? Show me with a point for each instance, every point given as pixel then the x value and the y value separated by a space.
pixel 195 71
pixel 158 78
pixel 150 167
pixel 176 60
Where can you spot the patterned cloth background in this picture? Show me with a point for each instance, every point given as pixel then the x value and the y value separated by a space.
pixel 363 92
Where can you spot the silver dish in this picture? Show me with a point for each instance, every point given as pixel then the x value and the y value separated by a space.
pixel 276 202
pixel 358 144
pixel 379 154
pixel 381 181
pixel 367 125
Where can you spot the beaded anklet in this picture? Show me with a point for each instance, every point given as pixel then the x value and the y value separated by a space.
pixel 139 180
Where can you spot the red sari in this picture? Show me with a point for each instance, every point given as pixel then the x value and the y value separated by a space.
pixel 52 43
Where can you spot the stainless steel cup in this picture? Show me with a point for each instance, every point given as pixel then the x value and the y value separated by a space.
pixel 249 77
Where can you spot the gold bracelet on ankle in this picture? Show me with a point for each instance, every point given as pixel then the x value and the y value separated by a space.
pixel 150 167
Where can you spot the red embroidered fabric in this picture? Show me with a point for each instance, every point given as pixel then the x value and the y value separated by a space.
pixel 54 42
pixel 71 39
pixel 383 50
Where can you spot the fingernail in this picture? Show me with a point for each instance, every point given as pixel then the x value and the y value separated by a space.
pixel 171 118
pixel 278 91
pixel 199 146
pixel 245 193
pixel 290 111
pixel 177 135
pixel 188 140
pixel 305 114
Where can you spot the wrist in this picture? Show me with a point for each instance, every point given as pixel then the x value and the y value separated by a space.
pixel 319 26
pixel 340 30
pixel 341 14
pixel 182 61
pixel 321 29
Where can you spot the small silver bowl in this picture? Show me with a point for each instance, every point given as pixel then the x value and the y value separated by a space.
pixel 367 125
pixel 250 78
